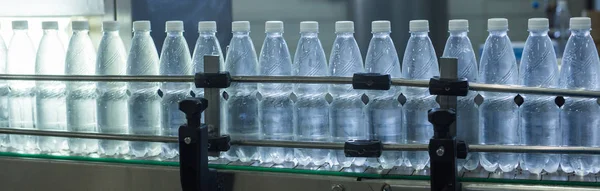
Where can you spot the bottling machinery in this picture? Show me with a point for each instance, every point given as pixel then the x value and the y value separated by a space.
pixel 198 141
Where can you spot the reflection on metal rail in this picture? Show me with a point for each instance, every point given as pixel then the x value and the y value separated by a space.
pixel 302 79
pixel 316 145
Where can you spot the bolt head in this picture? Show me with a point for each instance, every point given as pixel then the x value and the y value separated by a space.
pixel 440 151
pixel 187 140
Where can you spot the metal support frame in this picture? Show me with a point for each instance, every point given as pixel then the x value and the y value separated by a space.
pixel 443 147
pixel 193 148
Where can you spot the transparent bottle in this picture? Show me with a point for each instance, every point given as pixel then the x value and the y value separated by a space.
pixel 539 114
pixel 144 102
pixel 499 117
pixel 311 110
pixel 175 60
pixel 81 96
pixel 112 99
pixel 21 102
pixel 242 104
pixel 459 46
pixel 276 108
pixel 561 25
pixel 206 45
pixel 383 110
pixel 419 63
pixel 347 115
pixel 4 142
pixel 51 95
pixel 579 116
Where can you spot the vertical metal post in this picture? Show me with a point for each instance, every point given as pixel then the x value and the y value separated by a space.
pixel 449 70
pixel 212 115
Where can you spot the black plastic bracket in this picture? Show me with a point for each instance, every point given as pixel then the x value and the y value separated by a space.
pixel 193 149
pixel 363 148
pixel 444 149
pixel 448 87
pixel 371 81
pixel 219 144
pixel 212 80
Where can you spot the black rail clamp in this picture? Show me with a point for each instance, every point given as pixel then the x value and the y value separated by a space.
pixel 448 87
pixel 219 144
pixel 212 80
pixel 363 148
pixel 193 149
pixel 371 81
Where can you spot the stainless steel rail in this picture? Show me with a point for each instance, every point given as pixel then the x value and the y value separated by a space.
pixel 302 79
pixel 313 145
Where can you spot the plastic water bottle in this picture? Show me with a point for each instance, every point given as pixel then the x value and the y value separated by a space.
pixel 579 116
pixel 3 95
pixel 347 115
pixel 311 110
pixel 276 107
pixel 206 45
pixel 21 101
pixel 383 110
pixel 459 46
pixel 419 63
pixel 499 117
pixel 81 96
pixel 112 96
pixel 539 114
pixel 242 105
pixel 51 95
pixel 561 25
pixel 144 102
pixel 175 60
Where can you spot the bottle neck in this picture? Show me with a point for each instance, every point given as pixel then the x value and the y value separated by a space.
pixel 538 32
pixel 20 31
pixel 419 34
pixel 381 34
pixel 344 34
pixel 459 33
pixel 498 32
pixel 112 33
pixel 50 32
pixel 274 34
pixel 309 34
pixel 80 32
pixel 174 33
pixel 580 32
pixel 241 33
pixel 207 33
pixel 142 32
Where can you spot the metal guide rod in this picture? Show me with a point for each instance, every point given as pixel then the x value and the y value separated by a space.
pixel 302 79
pixel 317 145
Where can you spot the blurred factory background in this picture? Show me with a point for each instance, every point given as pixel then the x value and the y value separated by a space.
pixel 291 12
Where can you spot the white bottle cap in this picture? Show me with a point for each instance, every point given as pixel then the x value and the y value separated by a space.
pixel 19 25
pixel 418 26
pixel 495 24
pixel 381 26
pixel 141 25
pixel 309 26
pixel 458 25
pixel 174 26
pixel 562 3
pixel 110 26
pixel 207 26
pixel 80 25
pixel 537 24
pixel 274 26
pixel 240 26
pixel 578 23
pixel 50 25
pixel 344 26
